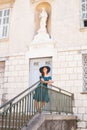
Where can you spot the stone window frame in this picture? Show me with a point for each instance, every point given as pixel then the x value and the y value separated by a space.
pixel 84 88
pixel 2 72
pixel 84 66
pixel 83 10
pixel 4 5
pixel 84 53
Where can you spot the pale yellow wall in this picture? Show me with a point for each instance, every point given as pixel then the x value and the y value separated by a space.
pixel 65 26
pixel 22 26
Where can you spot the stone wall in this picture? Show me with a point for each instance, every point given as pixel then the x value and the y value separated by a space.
pixel 58 125
pixel 70 71
pixel 51 122
pixel 16 75
pixel 67 73
pixel 70 77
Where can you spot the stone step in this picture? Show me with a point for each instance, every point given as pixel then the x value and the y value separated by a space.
pixel 52 122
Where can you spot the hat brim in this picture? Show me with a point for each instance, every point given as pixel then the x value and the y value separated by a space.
pixel 48 68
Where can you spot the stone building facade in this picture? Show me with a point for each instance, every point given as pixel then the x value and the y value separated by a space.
pixel 67 26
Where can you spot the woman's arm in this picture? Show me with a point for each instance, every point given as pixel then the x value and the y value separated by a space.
pixel 46 82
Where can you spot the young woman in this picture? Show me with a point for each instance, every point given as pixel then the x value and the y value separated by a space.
pixel 41 95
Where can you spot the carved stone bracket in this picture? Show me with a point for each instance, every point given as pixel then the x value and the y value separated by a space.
pixel 7 1
pixel 34 1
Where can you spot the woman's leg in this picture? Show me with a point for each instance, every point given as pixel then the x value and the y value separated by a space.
pixel 42 104
pixel 39 106
pixel 36 104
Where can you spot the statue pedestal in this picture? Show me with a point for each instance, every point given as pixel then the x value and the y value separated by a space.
pixel 42 46
pixel 42 43
pixel 41 50
pixel 42 37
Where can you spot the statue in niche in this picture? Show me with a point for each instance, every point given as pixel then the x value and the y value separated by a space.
pixel 43 19
pixel 42 35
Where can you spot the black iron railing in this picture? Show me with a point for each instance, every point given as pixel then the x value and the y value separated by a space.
pixel 18 111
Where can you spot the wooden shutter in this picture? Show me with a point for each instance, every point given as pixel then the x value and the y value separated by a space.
pixel 4 23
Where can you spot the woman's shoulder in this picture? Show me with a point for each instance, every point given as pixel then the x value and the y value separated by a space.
pixel 49 77
pixel 45 76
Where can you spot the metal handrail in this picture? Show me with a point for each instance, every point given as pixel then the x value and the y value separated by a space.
pixel 20 109
pixel 10 101
pixel 62 89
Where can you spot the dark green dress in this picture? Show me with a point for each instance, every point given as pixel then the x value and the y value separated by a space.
pixel 41 92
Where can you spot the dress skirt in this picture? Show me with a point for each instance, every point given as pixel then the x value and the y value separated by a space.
pixel 41 93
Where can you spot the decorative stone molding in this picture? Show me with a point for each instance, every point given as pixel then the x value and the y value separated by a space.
pixel 7 1
pixel 34 1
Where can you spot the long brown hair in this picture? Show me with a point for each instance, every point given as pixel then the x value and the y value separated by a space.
pixel 43 72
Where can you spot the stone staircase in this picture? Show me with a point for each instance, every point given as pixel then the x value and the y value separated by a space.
pixel 51 122
pixel 20 111
pixel 14 122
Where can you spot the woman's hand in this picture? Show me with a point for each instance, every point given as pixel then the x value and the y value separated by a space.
pixel 50 82
pixel 47 82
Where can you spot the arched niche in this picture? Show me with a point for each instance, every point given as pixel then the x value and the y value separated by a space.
pixel 38 9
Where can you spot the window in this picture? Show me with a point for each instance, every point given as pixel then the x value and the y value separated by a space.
pixel 4 23
pixel 2 89
pixel 85 23
pixel 84 12
pixel 84 59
